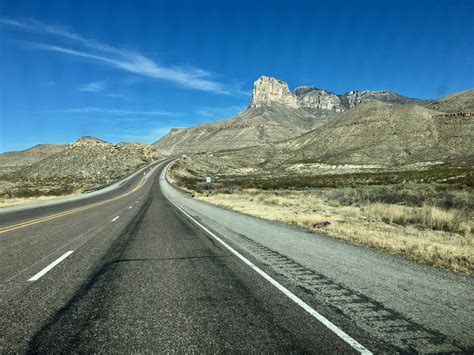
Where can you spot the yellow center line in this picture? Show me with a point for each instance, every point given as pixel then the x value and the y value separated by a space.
pixel 66 213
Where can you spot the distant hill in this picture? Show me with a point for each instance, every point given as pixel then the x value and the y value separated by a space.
pixel 378 133
pixel 273 114
pixel 255 126
pixel 86 163
pixel 11 161
pixel 458 102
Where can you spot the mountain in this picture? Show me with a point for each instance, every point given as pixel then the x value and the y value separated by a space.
pixel 273 114
pixel 11 161
pixel 88 162
pixel 373 136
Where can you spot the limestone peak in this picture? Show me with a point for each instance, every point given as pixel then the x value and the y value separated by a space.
pixel 268 90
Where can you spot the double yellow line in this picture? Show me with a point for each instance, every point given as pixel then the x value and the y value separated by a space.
pixel 66 213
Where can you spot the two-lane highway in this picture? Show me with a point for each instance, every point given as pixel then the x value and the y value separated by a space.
pixel 129 272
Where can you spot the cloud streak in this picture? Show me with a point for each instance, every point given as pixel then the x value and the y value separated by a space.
pixel 95 86
pixel 114 111
pixel 134 62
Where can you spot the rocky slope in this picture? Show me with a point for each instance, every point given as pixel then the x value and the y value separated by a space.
pixel 378 133
pixel 253 127
pixel 11 161
pixel 88 162
pixel 273 114
pixel 458 102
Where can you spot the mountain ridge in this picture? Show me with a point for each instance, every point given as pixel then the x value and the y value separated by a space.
pixel 274 113
pixel 371 137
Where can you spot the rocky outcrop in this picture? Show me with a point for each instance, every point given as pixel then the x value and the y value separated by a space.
pixel 268 91
pixel 357 97
pixel 315 98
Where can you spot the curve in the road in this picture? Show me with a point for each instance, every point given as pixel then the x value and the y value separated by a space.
pixel 72 211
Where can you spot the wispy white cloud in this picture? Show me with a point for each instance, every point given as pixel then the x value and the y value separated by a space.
pixel 219 112
pixel 95 86
pixel 114 111
pixel 134 62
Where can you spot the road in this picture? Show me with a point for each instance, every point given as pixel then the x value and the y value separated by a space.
pixel 145 268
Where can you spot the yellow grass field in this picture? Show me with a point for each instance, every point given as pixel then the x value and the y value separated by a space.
pixel 426 234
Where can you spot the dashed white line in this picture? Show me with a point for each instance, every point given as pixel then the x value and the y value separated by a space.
pixel 50 266
pixel 115 218
pixel 339 332
pixel 130 207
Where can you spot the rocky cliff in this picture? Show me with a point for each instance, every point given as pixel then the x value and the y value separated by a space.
pixel 268 91
pixel 315 98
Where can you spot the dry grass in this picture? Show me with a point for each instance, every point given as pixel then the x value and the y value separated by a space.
pixel 427 234
pixel 427 216
pixel 26 200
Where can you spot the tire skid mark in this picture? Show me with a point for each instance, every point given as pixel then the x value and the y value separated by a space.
pixel 370 315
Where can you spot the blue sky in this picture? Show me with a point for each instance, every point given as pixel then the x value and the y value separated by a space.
pixel 130 70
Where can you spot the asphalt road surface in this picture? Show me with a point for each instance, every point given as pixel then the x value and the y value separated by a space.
pixel 144 268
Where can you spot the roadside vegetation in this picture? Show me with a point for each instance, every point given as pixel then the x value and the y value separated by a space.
pixel 429 222
pixel 8 202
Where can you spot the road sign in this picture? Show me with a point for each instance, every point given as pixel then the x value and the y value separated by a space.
pixel 208 179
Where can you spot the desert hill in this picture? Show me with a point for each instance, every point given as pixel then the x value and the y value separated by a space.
pixel 378 133
pixel 11 161
pixel 86 163
pixel 255 126
pixel 458 102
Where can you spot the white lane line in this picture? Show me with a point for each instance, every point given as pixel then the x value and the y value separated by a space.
pixel 339 332
pixel 115 218
pixel 130 207
pixel 50 266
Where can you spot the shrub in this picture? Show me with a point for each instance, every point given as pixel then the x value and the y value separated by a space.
pixel 430 217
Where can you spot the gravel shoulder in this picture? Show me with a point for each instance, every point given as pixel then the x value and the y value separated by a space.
pixel 410 306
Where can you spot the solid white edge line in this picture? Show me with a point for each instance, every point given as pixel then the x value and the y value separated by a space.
pixel 50 266
pixel 115 218
pixel 340 333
